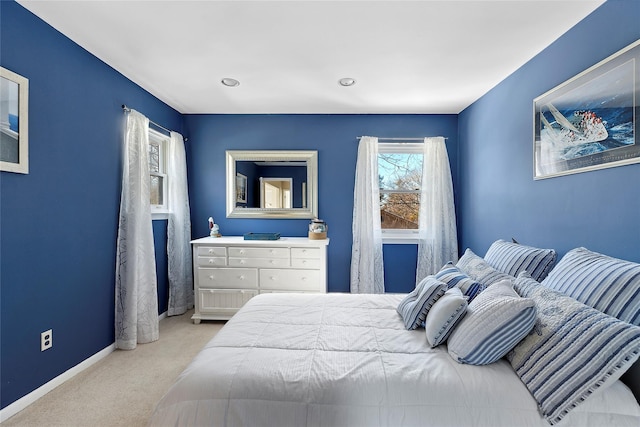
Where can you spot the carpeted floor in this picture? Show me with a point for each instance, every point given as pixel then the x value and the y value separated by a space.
pixel 123 388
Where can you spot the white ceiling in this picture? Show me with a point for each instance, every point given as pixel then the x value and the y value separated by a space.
pixel 406 56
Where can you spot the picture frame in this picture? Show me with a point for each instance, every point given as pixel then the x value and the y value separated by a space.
pixel 241 188
pixel 590 121
pixel 14 122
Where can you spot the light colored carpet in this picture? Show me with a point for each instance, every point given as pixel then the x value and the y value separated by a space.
pixel 123 388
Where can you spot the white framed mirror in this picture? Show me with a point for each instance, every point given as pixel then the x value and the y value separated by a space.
pixel 272 184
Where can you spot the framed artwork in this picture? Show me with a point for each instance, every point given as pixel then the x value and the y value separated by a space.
pixel 241 188
pixel 14 122
pixel 590 121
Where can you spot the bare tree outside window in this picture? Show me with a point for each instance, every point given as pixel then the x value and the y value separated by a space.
pixel 157 172
pixel 154 157
pixel 400 176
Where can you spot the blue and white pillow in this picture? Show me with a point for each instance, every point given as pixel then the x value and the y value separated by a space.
pixel 608 284
pixel 514 258
pixel 495 322
pixel 572 351
pixel 444 316
pixel 453 276
pixel 415 306
pixel 479 270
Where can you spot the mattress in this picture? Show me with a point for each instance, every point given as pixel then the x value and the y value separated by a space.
pixel 347 360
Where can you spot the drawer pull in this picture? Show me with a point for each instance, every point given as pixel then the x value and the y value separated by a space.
pixel 242 251
pixel 211 277
pixel 304 261
pixel 304 278
pixel 210 251
pixel 241 277
pixel 211 261
pixel 272 278
pixel 243 261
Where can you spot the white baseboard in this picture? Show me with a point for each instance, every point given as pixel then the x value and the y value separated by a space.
pixel 17 406
pixel 27 400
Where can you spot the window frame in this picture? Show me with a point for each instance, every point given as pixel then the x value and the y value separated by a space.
pixel 398 236
pixel 160 211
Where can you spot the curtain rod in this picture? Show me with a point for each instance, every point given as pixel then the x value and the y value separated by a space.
pixel 127 110
pixel 402 139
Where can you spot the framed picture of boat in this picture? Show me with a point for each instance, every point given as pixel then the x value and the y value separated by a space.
pixel 590 121
pixel 14 122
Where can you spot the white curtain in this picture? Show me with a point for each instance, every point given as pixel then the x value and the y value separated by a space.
pixel 136 283
pixel 178 230
pixel 367 269
pixel 437 220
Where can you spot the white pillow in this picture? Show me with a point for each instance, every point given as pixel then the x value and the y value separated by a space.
pixel 444 315
pixel 495 322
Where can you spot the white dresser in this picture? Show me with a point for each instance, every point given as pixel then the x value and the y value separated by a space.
pixel 228 271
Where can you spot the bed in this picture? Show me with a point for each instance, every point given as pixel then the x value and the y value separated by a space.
pixel 349 360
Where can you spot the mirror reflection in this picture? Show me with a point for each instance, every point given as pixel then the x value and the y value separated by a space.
pixel 271 184
pixel 276 193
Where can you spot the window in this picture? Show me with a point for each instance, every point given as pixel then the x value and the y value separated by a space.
pixel 400 175
pixel 158 145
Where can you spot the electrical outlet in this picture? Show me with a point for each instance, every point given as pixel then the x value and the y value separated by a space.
pixel 46 340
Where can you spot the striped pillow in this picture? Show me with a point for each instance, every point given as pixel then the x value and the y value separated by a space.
pixel 513 258
pixel 478 269
pixel 608 284
pixel 454 277
pixel 573 350
pixel 495 322
pixel 415 306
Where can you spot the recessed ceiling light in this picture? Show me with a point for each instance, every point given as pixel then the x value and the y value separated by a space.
pixel 347 81
pixel 227 81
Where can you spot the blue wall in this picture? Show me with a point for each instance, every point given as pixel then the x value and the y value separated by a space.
pixel 334 136
pixel 498 196
pixel 59 222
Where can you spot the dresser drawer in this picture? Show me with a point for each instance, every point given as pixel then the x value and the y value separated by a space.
pixel 212 251
pixel 305 263
pixel 223 301
pixel 212 261
pixel 290 280
pixel 237 252
pixel 228 278
pixel 259 262
pixel 306 253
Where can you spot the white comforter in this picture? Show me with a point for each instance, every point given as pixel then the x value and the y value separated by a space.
pixel 346 360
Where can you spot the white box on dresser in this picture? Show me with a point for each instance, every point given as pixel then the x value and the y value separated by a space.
pixel 228 271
